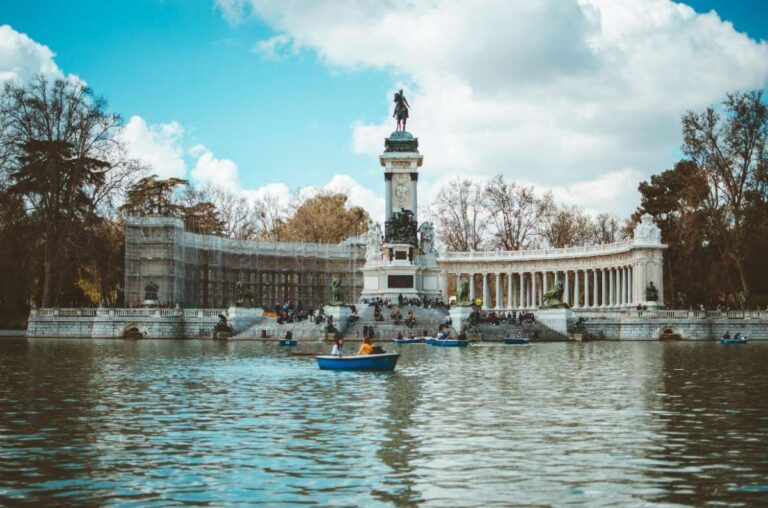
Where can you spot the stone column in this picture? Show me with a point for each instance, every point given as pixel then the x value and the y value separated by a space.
pixel 594 288
pixel 510 291
pixel 544 285
pixel 414 201
pixel 632 299
pixel 610 287
pixel 586 289
pixel 486 292
pixel 576 302
pixel 472 294
pixel 499 292
pixel 626 286
pixel 566 288
pixel 603 286
pixel 521 302
pixel 444 286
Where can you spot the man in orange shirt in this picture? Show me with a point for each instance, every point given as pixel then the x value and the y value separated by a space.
pixel 366 347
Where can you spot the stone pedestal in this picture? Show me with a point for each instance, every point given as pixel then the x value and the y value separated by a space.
pixel 459 317
pixel 555 319
pixel 340 315
pixel 240 318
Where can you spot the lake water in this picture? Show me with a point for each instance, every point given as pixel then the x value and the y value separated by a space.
pixel 158 423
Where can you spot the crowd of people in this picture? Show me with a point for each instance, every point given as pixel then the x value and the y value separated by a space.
pixel 498 318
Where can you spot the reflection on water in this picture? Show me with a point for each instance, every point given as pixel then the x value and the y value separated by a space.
pixel 166 422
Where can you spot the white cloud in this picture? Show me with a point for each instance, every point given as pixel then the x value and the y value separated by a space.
pixel 273 48
pixel 210 170
pixel 21 58
pixel 157 146
pixel 554 92
pixel 359 195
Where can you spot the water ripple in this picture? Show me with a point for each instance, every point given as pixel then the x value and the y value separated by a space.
pixel 195 423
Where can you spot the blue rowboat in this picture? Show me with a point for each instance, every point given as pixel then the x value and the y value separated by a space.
pixel 288 342
pixel 386 361
pixel 408 341
pixel 450 343
pixel 517 341
pixel 728 342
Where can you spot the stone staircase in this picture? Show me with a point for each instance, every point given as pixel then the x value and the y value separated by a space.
pixel 497 333
pixel 426 319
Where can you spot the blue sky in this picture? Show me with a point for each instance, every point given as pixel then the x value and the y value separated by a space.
pixel 319 106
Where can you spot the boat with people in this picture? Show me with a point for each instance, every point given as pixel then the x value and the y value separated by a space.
pixel 449 342
pixel 288 342
pixel 372 362
pixel 737 339
pixel 411 340
pixel 517 340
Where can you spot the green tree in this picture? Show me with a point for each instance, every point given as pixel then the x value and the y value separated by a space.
pixel 730 147
pixel 62 157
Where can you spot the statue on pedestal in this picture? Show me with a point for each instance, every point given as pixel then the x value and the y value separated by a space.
pixel 401 110
pixel 427 238
pixel 401 228
pixel 553 299
pixel 336 292
pixel 462 294
pixel 373 241
pixel 651 293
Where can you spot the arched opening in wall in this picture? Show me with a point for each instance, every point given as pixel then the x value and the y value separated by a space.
pixel 133 332
pixel 669 333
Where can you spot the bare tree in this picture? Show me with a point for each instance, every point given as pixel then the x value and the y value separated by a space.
pixel 268 215
pixel 514 213
pixel 606 229
pixel 566 227
pixel 459 215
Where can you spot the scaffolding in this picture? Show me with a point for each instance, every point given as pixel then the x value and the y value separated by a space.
pixel 196 270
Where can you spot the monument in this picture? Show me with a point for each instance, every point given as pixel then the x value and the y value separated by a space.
pixel 336 312
pixel 404 261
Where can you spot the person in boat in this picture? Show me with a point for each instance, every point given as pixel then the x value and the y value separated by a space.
pixel 727 334
pixel 737 336
pixel 399 335
pixel 337 346
pixel 366 348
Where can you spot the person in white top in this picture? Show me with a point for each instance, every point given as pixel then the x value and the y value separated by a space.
pixel 336 351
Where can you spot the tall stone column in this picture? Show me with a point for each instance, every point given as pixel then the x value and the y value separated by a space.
pixel 486 292
pixel 534 296
pixel 472 294
pixel 499 291
pixel 626 286
pixel 521 302
pixel 594 288
pixel 566 288
pixel 603 286
pixel 544 285
pixel 576 278
pixel 610 287
pixel 444 286
pixel 510 291
pixel 586 289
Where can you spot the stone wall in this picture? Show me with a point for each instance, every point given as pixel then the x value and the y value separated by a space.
pixel 113 323
pixel 654 327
